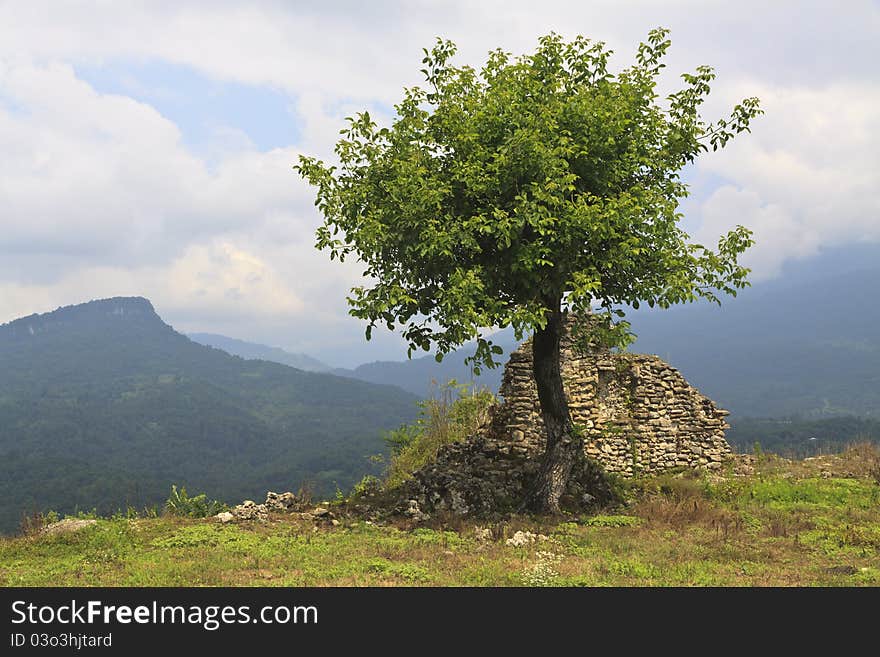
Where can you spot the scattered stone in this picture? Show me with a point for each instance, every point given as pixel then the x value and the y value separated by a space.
pixel 68 525
pixel 413 511
pixel 321 512
pixel 284 502
pixel 250 510
pixel 521 539
pixel 482 533
pixel 842 570
pixel 225 516
pixel 334 522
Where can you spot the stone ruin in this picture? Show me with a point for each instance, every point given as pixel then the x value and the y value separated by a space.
pixel 637 413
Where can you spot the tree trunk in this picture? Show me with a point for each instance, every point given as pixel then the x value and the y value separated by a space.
pixel 563 446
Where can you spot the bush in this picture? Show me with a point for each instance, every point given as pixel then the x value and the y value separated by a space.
pixel 453 414
pixel 180 504
pixel 33 523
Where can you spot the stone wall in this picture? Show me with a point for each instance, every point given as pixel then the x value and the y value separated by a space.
pixel 638 414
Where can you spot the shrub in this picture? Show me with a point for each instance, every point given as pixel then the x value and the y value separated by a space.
pixel 366 487
pixel 33 523
pixel 199 506
pixel 613 521
pixel 453 414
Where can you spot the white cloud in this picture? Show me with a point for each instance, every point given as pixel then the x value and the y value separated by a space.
pixel 775 229
pixel 103 179
pixel 807 176
pixel 99 195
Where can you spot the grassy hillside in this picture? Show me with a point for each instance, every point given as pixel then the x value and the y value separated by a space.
pixel 814 522
pixel 104 405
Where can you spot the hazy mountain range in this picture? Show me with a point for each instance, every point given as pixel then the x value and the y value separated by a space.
pixel 805 344
pixel 254 351
pixel 103 404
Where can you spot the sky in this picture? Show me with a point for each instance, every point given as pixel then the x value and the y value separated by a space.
pixel 146 148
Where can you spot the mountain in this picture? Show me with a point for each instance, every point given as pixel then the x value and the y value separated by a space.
pixel 103 404
pixel 805 344
pixel 253 351
pixel 421 375
pixel 417 376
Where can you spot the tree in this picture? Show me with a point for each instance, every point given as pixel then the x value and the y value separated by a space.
pixel 506 196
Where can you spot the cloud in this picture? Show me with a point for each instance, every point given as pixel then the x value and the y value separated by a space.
pixel 102 179
pixel 773 227
pixel 806 177
pixel 100 193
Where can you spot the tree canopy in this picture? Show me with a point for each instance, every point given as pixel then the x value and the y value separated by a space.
pixel 498 194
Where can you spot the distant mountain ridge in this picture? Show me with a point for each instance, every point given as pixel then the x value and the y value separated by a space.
pixel 421 375
pixel 804 344
pixel 416 376
pixel 254 351
pixel 103 404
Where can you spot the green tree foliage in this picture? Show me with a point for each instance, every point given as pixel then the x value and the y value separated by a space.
pixel 179 503
pixel 502 196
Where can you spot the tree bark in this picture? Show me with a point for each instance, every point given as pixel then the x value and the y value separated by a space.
pixel 563 445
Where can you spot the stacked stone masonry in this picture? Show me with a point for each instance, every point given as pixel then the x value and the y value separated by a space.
pixel 638 416
pixel 637 413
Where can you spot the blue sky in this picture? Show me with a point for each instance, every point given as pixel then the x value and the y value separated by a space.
pixel 205 110
pixel 146 148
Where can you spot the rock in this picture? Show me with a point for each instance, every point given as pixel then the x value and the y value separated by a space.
pixel 284 502
pixel 413 511
pixel 334 522
pixel 68 525
pixel 225 517
pixel 482 533
pixel 250 510
pixel 521 539
pixel 842 570
pixel 638 414
pixel 321 512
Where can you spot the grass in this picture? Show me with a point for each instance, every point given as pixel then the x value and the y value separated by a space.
pixel 790 523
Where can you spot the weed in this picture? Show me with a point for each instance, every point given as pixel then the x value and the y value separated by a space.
pixel 543 571
pixel 199 506
pixel 33 523
pixel 613 521
pixel 453 414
